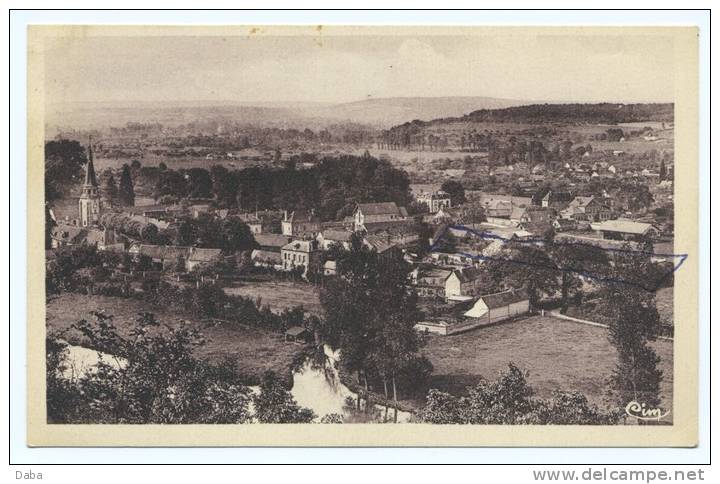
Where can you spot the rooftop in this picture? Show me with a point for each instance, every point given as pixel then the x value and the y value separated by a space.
pixel 623 226
pixel 382 208
pixel 504 298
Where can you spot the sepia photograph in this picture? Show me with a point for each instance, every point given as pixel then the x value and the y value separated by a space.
pixel 444 232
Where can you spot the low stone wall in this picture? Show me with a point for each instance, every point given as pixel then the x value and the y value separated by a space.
pixel 556 314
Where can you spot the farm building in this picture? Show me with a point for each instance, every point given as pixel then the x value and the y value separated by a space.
pixel 623 229
pixel 297 334
pixel 492 308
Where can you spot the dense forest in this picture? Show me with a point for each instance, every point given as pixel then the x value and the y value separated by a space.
pixel 604 113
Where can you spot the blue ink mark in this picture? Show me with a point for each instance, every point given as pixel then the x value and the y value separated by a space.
pixel 484 235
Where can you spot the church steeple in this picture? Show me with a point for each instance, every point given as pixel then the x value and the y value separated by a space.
pixel 89 203
pixel 90 179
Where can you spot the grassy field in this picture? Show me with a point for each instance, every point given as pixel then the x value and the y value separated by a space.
pixel 560 355
pixel 253 351
pixel 280 295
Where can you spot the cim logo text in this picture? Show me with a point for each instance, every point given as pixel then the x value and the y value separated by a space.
pixel 640 411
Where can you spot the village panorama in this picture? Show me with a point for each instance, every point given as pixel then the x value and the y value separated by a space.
pixel 437 260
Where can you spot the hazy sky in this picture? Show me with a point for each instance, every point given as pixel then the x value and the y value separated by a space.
pixel 338 69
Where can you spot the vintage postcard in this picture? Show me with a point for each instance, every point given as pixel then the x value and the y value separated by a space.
pixel 362 236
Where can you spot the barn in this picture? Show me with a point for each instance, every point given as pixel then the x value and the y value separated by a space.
pixel 492 308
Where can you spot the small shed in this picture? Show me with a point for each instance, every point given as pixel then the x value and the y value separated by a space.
pixel 296 334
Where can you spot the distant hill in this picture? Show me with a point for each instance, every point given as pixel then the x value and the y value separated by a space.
pixel 116 114
pixel 379 112
pixel 386 112
pixel 601 113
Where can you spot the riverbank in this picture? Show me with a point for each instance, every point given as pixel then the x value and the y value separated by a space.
pixel 253 351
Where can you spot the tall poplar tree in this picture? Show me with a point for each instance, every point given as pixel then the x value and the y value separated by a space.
pixel 126 193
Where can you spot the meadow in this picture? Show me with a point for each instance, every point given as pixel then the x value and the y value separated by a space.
pixel 558 355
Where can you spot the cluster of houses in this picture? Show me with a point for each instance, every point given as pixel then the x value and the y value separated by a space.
pixel 384 227
pixel 299 241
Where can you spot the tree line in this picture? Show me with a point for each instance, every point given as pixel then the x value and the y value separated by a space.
pixel 332 187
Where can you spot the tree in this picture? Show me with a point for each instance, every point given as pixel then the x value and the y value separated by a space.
pixel 170 183
pixel 573 261
pixel 510 400
pixel 224 185
pixel 520 265
pixel 455 190
pixel 146 375
pixel 126 193
pixel 274 404
pixel 634 324
pixel 663 170
pixel 615 134
pixel 370 314
pixel 110 189
pixel 199 183
pixel 235 235
pixel 64 160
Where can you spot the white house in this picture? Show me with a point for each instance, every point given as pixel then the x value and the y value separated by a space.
pixel 299 253
pixel 462 284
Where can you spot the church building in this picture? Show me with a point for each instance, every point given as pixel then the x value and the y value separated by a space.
pixel 89 202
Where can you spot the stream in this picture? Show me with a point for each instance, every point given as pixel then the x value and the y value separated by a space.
pixel 314 386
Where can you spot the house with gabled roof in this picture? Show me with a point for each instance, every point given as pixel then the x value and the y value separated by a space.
pixel 328 237
pixel 302 254
pixel 368 213
pixel 492 308
pixel 462 284
pixel 429 281
pixel 271 242
pixel 586 209
pixel 382 246
pixel 300 223
pixel 556 199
